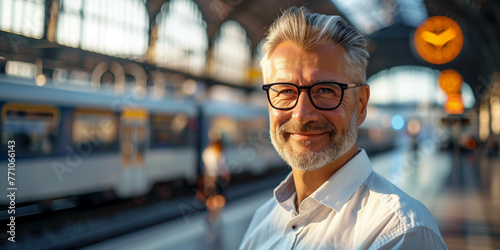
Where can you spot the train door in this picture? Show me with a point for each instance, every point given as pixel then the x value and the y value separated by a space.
pixel 134 138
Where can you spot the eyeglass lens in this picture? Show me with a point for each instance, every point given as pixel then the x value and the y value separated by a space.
pixel 325 95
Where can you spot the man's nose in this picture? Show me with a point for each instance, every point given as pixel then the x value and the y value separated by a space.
pixel 304 111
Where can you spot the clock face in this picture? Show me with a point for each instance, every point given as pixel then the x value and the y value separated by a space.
pixel 438 40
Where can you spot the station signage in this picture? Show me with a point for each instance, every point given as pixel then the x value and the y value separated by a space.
pixel 450 82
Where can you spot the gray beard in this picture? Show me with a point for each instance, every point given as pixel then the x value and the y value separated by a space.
pixel 311 161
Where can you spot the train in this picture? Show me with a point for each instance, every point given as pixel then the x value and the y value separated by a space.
pixel 69 142
pixel 76 142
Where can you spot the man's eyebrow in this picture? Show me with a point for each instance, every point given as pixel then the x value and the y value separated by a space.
pixel 313 81
pixel 324 80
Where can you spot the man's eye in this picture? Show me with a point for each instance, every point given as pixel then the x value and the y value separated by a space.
pixel 325 90
pixel 287 91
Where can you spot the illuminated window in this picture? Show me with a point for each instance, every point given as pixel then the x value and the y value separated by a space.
pixel 227 128
pixel 232 54
pixel 69 23
pixel 114 27
pixel 20 69
pixel 33 128
pixel 170 131
pixel 367 16
pixel 182 38
pixel 25 17
pixel 253 129
pixel 255 73
pixel 259 53
pixel 97 128
pixel 411 85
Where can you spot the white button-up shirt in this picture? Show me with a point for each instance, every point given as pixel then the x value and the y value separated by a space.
pixel 355 209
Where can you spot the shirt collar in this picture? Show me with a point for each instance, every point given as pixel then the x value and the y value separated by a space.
pixel 285 192
pixel 337 190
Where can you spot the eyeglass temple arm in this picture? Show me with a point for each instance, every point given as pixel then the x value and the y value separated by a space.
pixel 354 85
pixel 273 89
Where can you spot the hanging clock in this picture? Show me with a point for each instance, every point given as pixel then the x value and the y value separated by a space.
pixel 438 39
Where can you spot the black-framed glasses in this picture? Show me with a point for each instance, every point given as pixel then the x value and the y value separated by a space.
pixel 323 95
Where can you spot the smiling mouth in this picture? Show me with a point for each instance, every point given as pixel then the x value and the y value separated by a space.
pixel 307 135
pixel 306 132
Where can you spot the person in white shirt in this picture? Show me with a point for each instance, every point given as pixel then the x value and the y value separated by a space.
pixel 314 72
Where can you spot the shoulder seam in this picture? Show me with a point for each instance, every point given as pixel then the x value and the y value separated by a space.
pixel 382 242
pixel 403 224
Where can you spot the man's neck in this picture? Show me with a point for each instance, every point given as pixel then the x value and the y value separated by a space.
pixel 306 182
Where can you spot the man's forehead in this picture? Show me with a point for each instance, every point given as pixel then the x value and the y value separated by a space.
pixel 288 62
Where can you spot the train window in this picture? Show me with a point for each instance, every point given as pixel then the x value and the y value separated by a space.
pixel 227 128
pixel 32 127
pixel 170 130
pixel 255 131
pixel 95 128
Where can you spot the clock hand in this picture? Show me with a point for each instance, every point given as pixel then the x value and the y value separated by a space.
pixel 439 39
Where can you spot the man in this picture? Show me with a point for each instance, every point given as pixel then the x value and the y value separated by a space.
pixel 314 69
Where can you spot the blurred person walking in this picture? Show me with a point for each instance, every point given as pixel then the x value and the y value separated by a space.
pixel 216 177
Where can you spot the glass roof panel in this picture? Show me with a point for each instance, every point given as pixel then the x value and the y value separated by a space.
pixel 411 85
pixel 412 12
pixel 232 54
pixel 182 38
pixel 23 17
pixel 371 15
pixel 367 15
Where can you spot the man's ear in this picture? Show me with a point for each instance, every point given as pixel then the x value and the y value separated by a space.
pixel 363 97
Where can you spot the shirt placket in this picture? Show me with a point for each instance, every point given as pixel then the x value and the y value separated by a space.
pixel 293 229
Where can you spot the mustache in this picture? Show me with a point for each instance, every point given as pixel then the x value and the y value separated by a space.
pixel 291 126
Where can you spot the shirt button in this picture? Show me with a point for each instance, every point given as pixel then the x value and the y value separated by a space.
pixel 294 227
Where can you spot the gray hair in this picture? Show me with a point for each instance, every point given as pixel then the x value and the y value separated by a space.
pixel 311 30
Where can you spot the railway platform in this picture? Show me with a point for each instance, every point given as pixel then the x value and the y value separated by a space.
pixel 461 189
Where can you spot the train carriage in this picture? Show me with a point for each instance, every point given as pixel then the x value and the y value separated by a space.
pixel 79 142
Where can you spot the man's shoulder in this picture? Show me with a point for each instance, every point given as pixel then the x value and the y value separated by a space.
pixel 266 208
pixel 389 197
pixel 394 208
pixel 260 218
